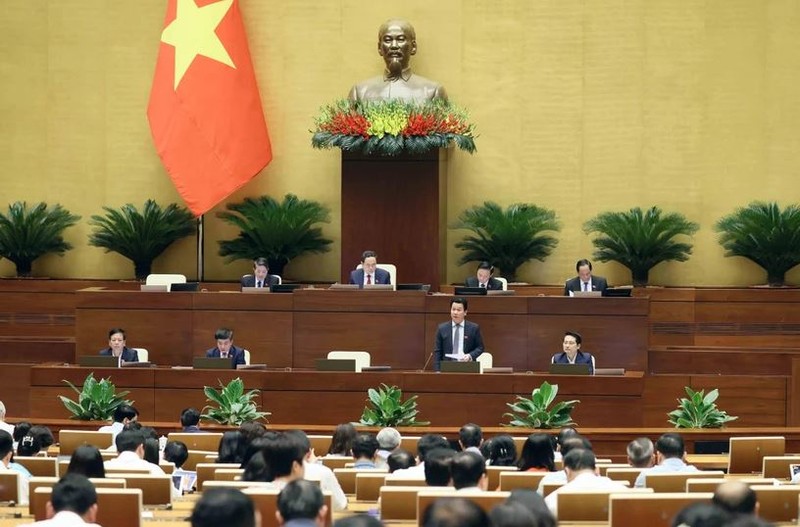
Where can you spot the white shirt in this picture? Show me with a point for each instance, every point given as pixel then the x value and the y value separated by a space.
pixel 132 460
pixel 417 471
pixel 327 481
pixel 63 519
pixel 670 464
pixel 7 427
pixel 583 481
pixel 372 279
pixel 552 477
pixel 115 428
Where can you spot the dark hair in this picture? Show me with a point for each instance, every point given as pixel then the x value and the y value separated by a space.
pixel 502 451
pixel 6 443
pixel 129 440
pixel 486 448
pixel 301 438
pixel 581 263
pixel 511 514
pixel 459 300
pixel 575 335
pixel 223 334
pixel 29 446
pixel 43 434
pixel 261 261
pixel 300 499
pixel 368 254
pixel 428 442
pixel 470 435
pixel 176 452
pixel 454 512
pixel 74 493
pixel 579 459
pixel 437 467
pixel 400 459
pixel 190 417
pixel 251 430
pixel 21 430
pixel 114 331
pixel 640 452
pixel 257 445
pixel 537 452
pixel 574 442
pixel 275 459
pixel 485 265
pixel 701 514
pixel 358 520
pixel 534 502
pixel 231 447
pixel 223 506
pixel 365 445
pixel 147 431
pixel 151 450
pixel 342 440
pixel 87 461
pixel 670 445
pixel 125 411
pixel 735 497
pixel 566 433
pixel 467 468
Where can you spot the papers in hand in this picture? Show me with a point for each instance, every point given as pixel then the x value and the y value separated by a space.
pixel 455 356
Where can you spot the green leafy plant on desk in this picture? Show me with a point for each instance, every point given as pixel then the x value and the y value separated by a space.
pixel 535 412
pixel 234 406
pixel 96 401
pixel 388 409
pixel 699 411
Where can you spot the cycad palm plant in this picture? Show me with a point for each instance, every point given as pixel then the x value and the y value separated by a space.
pixel 640 240
pixel 141 236
pixel 507 238
pixel 761 232
pixel 28 233
pixel 278 231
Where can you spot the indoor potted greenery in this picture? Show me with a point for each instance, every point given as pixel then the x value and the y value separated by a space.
pixel 699 411
pixel 141 236
pixel 533 412
pixel 278 231
pixel 96 401
pixel 640 239
pixel 507 238
pixel 27 233
pixel 764 234
pixel 234 406
pixel 388 409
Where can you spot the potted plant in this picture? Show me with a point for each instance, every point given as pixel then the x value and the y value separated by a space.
pixel 234 406
pixel 699 411
pixel 278 231
pixel 640 240
pixel 141 236
pixel 96 401
pixel 507 238
pixel 388 409
pixel 535 412
pixel 28 233
pixel 764 234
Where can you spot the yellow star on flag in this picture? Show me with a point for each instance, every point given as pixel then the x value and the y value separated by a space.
pixel 192 33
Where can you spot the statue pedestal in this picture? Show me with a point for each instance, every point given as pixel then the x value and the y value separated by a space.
pixel 397 207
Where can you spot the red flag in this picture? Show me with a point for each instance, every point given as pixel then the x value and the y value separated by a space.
pixel 205 112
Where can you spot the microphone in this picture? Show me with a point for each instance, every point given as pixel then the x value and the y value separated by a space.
pixel 427 362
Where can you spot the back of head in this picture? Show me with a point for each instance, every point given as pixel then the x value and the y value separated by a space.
pixel 365 446
pixel 358 520
pixel 231 447
pixel 176 452
pixel 276 458
pixel 511 515
pixel 670 445
pixel 43 434
pixel 437 467
pixel 6 444
pixel 251 430
pixel 701 515
pixel 29 446
pixel 565 433
pixel 300 499
pixel 400 459
pixel 87 461
pixel 640 452
pixel 342 440
pixel 223 506
pixel 454 512
pixel 125 411
pixel 534 502
pixel 190 417
pixel 467 469
pixel 470 435
pixel 574 442
pixel 151 450
pixel 129 440
pixel 537 452
pixel 428 442
pixel 21 430
pixel 735 497
pixel 74 493
pixel 502 451
pixel 301 440
pixel 579 459
pixel 389 439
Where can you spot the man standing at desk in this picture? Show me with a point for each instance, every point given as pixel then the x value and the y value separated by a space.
pixel 458 339
pixel 369 274
pixel 225 348
pixel 585 281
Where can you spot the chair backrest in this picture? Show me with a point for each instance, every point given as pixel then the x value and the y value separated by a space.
pixel 362 358
pixel 195 457
pixel 69 440
pixel 266 501
pixel 602 468
pixel 493 474
pixel 633 508
pixel 624 474
pixel 391 268
pixel 207 441
pixel 116 471
pixel 548 488
pixel 711 484
pixel 520 480
pixel 588 505
pixel 228 474
pixel 238 484
pixel 368 485
pixel 676 481
pixel 777 503
pixel 486 360
pixel 165 279
pixel 773 466
pixel 485 500
pixel 9 486
pixel 503 281
pixel 38 465
pixel 399 503
pixel 205 471
pixel 156 490
pixel 747 453
pixel 347 477
pixel 247 357
pixel 143 354
pixel 117 507
pixel 334 462
pixel 48 482
pixel 409 481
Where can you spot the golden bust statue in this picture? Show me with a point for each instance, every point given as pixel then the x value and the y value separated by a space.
pixel 396 43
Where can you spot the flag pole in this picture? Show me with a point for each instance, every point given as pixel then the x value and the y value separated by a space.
pixel 200 238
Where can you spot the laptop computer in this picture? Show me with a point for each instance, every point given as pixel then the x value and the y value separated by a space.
pixel 378 287
pixel 587 294
pixel 98 361
pixel 501 292
pixel 251 366
pixel 569 369
pixel 211 363
pixel 162 288
pixel 187 287
pixel 470 291
pixel 618 291
pixel 335 364
pixel 456 366
pixel 283 288
pixel 413 287
pixel 794 470
pixel 345 287
pixel 255 290
pixel 137 365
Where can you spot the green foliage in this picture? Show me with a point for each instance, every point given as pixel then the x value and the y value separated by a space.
pixel 533 412
pixel 141 236
pixel 96 401
pixel 233 405
pixel 277 231
pixel 28 233
pixel 640 240
pixel 507 238
pixel 761 232
pixel 388 409
pixel 699 411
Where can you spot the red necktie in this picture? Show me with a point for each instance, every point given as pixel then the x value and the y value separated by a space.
pixel 369 279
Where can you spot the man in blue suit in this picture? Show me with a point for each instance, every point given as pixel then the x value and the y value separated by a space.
pixel 117 348
pixel 260 276
pixel 572 353
pixel 369 273
pixel 585 281
pixel 225 348
pixel 459 337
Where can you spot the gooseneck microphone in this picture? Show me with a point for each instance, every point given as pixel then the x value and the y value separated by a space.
pixel 427 362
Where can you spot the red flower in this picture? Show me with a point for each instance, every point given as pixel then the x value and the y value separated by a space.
pixel 419 124
pixel 347 124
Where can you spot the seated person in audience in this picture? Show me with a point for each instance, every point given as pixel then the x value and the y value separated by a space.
pixel 300 504
pixel 532 501
pixel 579 465
pixel 511 514
pixel 29 446
pixel 44 435
pixel 470 438
pixel 225 507
pixel 641 453
pixel 117 348
pixel 260 276
pixel 483 278
pixel 225 348
pixel 342 440
pixel 231 447
pixel 736 497
pixel 459 338
pixel 572 353
pixel 87 461
pixel 468 470
pixel 425 444
pixel 358 520
pixel 670 456
pixel 152 451
pixel 702 514
pixel 454 512
pixel 563 435
pixel 123 414
pixel 175 452
pixel 585 281
pixel 7 465
pixel 502 451
pixel 20 430
pixel 560 476
pixel 370 274
pixel 72 503
pixel 8 427
pixel 130 445
pixel 400 459
pixel 279 461
pixel 252 429
pixel 437 467
pixel 537 454
pixel 389 440
pixel 364 448
pixel 190 421
pixel 319 472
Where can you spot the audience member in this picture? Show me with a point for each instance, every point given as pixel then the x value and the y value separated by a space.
pixel 73 502
pixel 582 474
pixel 437 467
pixel 468 470
pixel 43 435
pixel 225 507
pixel 231 448
pixel 502 451
pixel 389 440
pixel 190 420
pixel 29 446
pixel 342 440
pixel 152 452
pixel 425 444
pixel 225 348
pixel 563 434
pixel 21 430
pixel 130 445
pixel 319 472
pixel 6 465
pixel 251 430
pixel 279 461
pixel 177 453
pixel 736 497
pixel 560 476
pixel 670 454
pixel 537 454
pixel 123 414
pixel 701 515
pixel 7 427
pixel 87 461
pixel 300 504
pixel 399 460
pixel 470 438
pixel 364 448
pixel 641 453
pixel 454 512
pixel 534 502
pixel 511 514
pixel 358 520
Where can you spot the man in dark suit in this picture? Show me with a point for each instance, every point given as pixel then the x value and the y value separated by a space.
pixel 260 276
pixel 585 281
pixel 483 278
pixel 117 348
pixel 572 353
pixel 225 348
pixel 369 273
pixel 457 337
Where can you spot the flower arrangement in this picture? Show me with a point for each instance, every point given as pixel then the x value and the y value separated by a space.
pixel 392 127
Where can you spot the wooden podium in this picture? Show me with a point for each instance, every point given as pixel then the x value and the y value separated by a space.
pixel 396 206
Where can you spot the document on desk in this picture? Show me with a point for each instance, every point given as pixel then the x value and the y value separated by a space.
pixel 455 356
